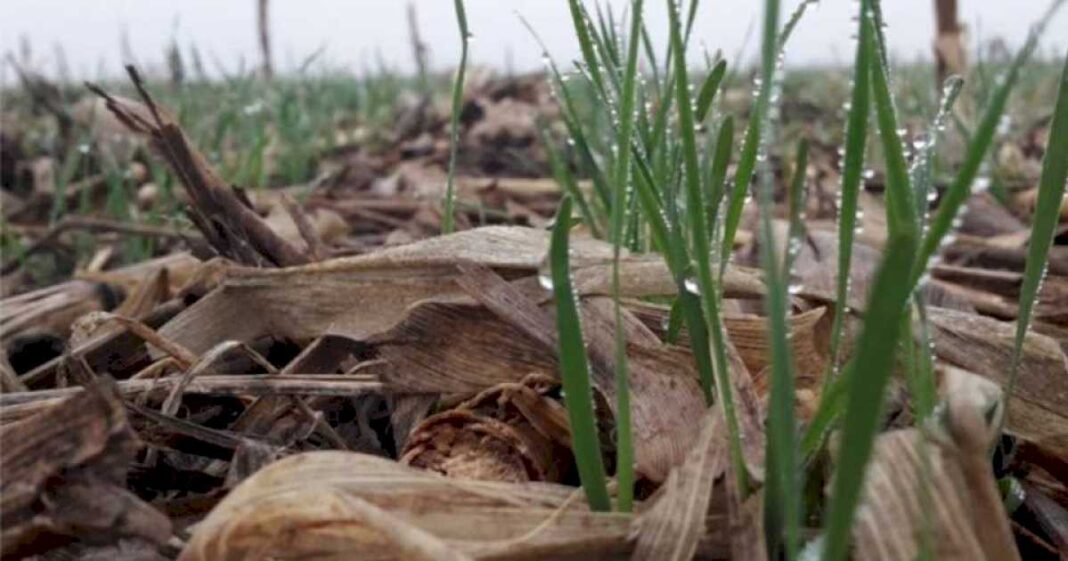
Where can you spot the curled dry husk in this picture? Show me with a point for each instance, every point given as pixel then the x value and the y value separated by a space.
pixel 339 505
pixel 511 432
pixel 935 486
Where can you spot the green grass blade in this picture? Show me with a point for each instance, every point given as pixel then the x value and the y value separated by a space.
pixel 921 173
pixel 782 491
pixel 922 387
pixel 709 89
pixel 875 351
pixel 864 397
pixel 852 171
pixel 982 138
pixel 706 286
pixel 742 176
pixel 718 174
pixel 580 20
pixel 832 404
pixel 573 123
pixel 447 222
pixel 797 208
pixel 574 367
pixel 900 208
pixel 566 180
pixel 620 203
pixel 1051 187
pixel 791 24
pixel 750 146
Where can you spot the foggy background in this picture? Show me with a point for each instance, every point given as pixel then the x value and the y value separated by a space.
pixel 356 34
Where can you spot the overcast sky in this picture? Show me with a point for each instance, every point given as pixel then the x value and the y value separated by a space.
pixel 354 32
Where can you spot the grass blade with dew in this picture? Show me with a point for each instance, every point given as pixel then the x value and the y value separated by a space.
pixel 708 90
pixel 581 22
pixel 620 204
pixel 575 368
pixel 901 213
pixel 958 192
pixel 920 374
pixel 706 286
pixel 791 24
pixel 571 120
pixel 718 174
pixel 566 180
pixel 751 146
pixel 1051 187
pixel 876 346
pixel 796 209
pixel 852 171
pixel 447 221
pixel 921 171
pixel 782 489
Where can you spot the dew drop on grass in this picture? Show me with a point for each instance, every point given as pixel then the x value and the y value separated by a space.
pixel 1004 125
pixel 691 286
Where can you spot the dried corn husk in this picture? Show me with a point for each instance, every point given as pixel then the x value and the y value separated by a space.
pixel 339 505
pixel 937 486
pixel 510 432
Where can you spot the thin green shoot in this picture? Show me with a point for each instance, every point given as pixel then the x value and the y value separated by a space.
pixel 447 220
pixel 1051 187
pixel 718 175
pixel 574 367
pixel 563 177
pixel 852 171
pixel 708 90
pixel 878 341
pixel 782 490
pixel 706 286
pixel 620 204
pixel 982 138
pixel 796 208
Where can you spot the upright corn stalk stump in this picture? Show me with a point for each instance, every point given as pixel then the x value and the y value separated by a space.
pixel 949 42
pixel 263 25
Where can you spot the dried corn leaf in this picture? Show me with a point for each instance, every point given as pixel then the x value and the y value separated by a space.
pixel 64 475
pixel 337 505
pixel 359 296
pixel 936 489
pixel 671 529
pixel 1039 408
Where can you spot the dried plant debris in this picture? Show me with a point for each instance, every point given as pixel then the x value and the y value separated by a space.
pixel 330 504
pixel 934 491
pixel 220 343
pixel 64 476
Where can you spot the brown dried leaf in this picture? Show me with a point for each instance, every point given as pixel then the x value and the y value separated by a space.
pixel 937 486
pixel 337 505
pixel 510 432
pixel 1039 408
pixel 64 472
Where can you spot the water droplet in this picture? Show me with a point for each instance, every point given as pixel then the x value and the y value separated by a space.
pixel 1004 125
pixel 691 287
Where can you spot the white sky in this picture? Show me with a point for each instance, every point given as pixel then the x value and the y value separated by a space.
pixel 355 31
